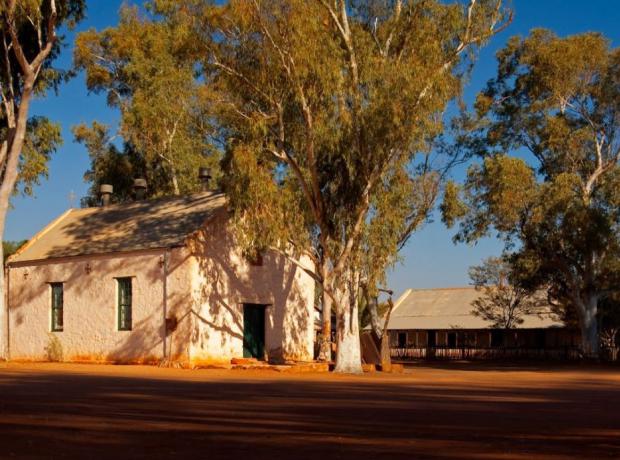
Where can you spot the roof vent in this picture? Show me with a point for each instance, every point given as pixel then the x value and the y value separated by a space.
pixel 105 191
pixel 139 188
pixel 204 174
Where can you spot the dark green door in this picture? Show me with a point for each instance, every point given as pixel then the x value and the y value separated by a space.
pixel 253 331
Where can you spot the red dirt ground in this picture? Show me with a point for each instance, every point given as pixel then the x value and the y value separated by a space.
pixel 452 411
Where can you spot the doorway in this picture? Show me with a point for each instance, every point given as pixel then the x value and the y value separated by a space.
pixel 253 331
pixel 430 341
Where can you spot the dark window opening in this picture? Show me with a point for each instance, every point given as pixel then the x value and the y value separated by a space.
pixel 57 307
pixel 466 339
pixel 431 339
pixel 451 339
pixel 402 340
pixel 124 304
pixel 540 339
pixel 497 338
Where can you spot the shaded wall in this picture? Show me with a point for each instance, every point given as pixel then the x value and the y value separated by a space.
pixel 90 307
pixel 224 280
pixel 179 303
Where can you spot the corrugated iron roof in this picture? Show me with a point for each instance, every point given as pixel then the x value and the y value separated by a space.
pixel 451 308
pixel 139 225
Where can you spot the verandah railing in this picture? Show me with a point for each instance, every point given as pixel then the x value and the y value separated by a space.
pixel 445 353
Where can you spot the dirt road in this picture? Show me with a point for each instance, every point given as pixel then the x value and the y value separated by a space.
pixel 88 411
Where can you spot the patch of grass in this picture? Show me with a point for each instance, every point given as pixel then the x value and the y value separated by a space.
pixel 54 349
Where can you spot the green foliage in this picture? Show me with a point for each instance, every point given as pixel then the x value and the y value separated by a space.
pixel 145 65
pixel 496 195
pixel 334 118
pixel 29 20
pixel 43 137
pixel 365 314
pixel 452 207
pixel 11 247
pixel 256 189
pixel 559 100
pixel 111 165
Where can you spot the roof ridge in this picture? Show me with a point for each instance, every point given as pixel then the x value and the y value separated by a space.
pixel 152 200
pixel 452 288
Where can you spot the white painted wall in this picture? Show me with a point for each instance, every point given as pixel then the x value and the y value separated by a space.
pixel 90 308
pixel 224 281
pixel 4 326
pixel 207 284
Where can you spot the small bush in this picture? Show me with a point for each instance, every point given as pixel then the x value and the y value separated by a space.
pixel 54 349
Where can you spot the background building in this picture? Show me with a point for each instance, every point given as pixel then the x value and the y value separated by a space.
pixel 439 323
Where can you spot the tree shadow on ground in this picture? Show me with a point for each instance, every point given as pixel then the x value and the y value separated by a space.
pixel 512 366
pixel 215 415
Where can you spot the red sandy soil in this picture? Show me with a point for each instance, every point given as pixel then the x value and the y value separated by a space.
pixel 449 411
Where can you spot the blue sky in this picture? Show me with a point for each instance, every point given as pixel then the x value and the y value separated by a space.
pixel 429 260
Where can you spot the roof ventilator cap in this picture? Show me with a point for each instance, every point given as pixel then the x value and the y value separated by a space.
pixel 139 188
pixel 204 174
pixel 105 191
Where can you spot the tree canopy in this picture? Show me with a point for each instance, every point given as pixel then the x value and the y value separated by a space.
pixel 31 43
pixel 146 67
pixel 326 106
pixel 558 205
pixel 11 247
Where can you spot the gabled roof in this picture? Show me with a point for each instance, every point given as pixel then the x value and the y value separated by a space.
pixel 451 308
pixel 140 225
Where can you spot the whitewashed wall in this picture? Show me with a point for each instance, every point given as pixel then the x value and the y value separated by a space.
pixel 90 308
pixel 207 285
pixel 224 281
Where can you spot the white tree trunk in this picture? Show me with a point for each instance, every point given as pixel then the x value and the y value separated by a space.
pixel 374 317
pixel 175 182
pixel 325 345
pixel 348 353
pixel 588 309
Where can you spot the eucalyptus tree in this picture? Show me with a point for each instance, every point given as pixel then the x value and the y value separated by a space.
pixel 325 103
pixel 116 166
pixel 400 207
pixel 11 247
pixel 609 323
pixel 557 99
pixel 146 67
pixel 30 44
pixel 503 301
